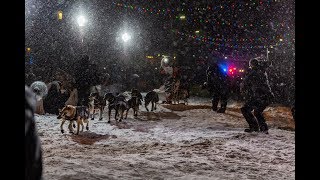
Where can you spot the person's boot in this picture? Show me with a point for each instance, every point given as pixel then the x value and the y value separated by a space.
pixel 261 121
pixel 223 106
pixel 221 110
pixel 214 103
pixel 214 108
pixel 251 129
pixel 264 128
pixel 253 125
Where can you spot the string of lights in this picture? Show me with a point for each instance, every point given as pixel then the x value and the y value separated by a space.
pixel 179 14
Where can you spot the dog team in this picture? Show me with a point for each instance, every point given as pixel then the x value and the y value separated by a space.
pixel 118 103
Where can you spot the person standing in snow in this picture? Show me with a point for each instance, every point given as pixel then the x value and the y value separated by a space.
pixel 33 152
pixel 171 72
pixel 85 76
pixel 51 100
pixel 258 95
pixel 217 85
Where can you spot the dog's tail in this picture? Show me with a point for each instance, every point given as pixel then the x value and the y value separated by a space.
pixel 122 105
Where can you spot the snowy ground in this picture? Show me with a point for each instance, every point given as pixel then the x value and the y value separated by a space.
pixel 182 144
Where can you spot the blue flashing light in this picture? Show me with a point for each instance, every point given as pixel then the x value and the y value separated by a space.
pixel 223 67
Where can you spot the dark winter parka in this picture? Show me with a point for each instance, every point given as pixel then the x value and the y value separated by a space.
pixel 33 153
pixel 217 81
pixel 51 102
pixel 82 73
pixel 255 84
pixel 86 76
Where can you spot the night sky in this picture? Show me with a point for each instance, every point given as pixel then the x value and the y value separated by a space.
pixel 195 32
pixel 241 29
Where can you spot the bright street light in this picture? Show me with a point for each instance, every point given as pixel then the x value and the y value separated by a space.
pixel 126 37
pixel 81 20
pixel 60 15
pixel 182 17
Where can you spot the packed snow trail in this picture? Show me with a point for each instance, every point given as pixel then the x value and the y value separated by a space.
pixel 166 144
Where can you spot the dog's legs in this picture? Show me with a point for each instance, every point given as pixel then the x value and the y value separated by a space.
pixel 100 115
pixel 155 105
pixel 92 115
pixel 109 113
pixel 92 112
pixel 87 126
pixel 135 111
pixel 70 127
pixel 152 107
pixel 136 108
pixel 78 125
pixel 121 114
pixel 185 97
pixel 177 97
pixel 173 98
pixel 146 105
pixel 127 113
pixel 61 126
pixel 73 124
pixel 116 114
pixel 82 126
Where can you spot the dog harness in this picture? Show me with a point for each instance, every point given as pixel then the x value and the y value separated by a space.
pixel 80 111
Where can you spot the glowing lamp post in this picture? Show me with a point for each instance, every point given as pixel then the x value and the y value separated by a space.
pixel 125 37
pixel 31 58
pixel 182 17
pixel 81 20
pixel 60 15
pixel 165 60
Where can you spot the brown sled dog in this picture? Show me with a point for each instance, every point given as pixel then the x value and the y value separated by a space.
pixel 97 102
pixel 80 114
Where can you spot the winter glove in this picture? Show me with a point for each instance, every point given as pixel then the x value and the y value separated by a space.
pixel 204 86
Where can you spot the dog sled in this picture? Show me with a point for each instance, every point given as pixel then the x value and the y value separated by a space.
pixel 176 92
